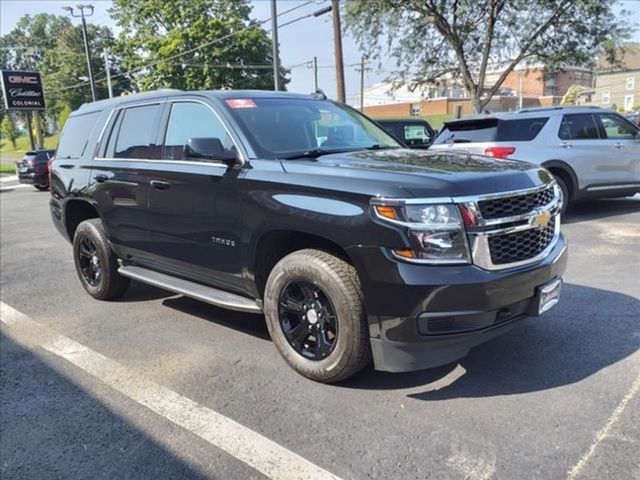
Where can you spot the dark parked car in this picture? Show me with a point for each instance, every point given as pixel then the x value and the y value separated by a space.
pixel 34 168
pixel 353 247
pixel 414 133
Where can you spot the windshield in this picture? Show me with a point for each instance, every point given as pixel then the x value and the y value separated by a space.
pixel 293 127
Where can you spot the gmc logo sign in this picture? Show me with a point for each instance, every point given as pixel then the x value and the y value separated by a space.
pixel 22 90
pixel 23 79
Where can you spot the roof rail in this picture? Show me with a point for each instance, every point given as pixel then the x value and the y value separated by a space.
pixel 558 107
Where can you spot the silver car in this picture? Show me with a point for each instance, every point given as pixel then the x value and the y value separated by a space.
pixel 591 151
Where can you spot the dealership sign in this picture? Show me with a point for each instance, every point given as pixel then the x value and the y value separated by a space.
pixel 22 90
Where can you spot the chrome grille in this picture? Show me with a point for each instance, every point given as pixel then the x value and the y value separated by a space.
pixel 516 205
pixel 520 246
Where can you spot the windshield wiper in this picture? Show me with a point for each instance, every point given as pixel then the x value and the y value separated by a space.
pixel 313 153
pixel 377 146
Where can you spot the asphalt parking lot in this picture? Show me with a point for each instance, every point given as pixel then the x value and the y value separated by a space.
pixel 160 386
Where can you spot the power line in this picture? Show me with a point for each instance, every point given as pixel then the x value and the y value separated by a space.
pixel 194 49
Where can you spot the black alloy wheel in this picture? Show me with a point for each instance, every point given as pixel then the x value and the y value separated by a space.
pixel 90 262
pixel 308 320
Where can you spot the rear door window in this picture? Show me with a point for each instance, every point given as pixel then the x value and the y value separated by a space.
pixel 616 127
pixel 75 135
pixel 578 126
pixel 467 131
pixel 522 130
pixel 135 133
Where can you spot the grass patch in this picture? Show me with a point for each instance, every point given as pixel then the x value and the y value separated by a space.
pixel 22 145
pixel 7 169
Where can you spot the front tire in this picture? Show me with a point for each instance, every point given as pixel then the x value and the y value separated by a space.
pixel 315 315
pixel 96 264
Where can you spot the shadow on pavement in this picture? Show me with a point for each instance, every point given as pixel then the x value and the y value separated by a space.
pixel 597 209
pixel 590 329
pixel 141 292
pixel 53 429
pixel 244 322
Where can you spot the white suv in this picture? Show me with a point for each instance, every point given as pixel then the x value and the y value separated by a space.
pixel 592 152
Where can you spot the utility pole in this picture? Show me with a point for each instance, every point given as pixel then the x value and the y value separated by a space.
pixel 337 47
pixel 274 45
pixel 108 69
pixel 36 116
pixel 315 74
pixel 82 15
pixel 362 62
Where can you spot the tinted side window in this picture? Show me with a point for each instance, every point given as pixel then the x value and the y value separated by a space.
pixel 76 135
pixel 137 133
pixel 579 126
pixel 192 120
pixel 466 131
pixel 523 130
pixel 616 127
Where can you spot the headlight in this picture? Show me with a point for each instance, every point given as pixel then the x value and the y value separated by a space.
pixel 436 232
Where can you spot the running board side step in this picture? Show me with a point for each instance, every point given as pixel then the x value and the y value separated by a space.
pixel 211 295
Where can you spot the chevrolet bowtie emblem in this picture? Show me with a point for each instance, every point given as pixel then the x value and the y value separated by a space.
pixel 542 220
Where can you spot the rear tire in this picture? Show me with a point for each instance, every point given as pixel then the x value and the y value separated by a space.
pixel 96 264
pixel 332 306
pixel 41 188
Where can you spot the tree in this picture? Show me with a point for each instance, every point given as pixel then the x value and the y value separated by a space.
pixel 161 41
pixel 9 130
pixel 573 92
pixel 65 111
pixel 464 39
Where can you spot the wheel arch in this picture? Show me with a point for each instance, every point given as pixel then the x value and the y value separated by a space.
pixel 75 212
pixel 273 245
pixel 564 170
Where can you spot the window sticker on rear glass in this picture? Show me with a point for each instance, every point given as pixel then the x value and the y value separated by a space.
pixel 241 103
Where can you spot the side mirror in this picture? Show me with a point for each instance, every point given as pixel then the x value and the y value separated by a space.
pixel 211 149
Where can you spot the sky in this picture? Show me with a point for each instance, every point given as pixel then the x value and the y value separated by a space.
pixel 299 42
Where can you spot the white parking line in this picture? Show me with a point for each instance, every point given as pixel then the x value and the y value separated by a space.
pixel 13 187
pixel 604 431
pixel 257 451
pixel 8 178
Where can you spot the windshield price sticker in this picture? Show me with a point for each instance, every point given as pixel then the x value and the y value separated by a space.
pixel 240 103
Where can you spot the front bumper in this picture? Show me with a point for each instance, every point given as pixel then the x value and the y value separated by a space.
pixel 426 316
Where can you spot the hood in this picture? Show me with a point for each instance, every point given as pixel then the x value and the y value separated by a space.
pixel 421 173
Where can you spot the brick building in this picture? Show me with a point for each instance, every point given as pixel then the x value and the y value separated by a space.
pixel 450 98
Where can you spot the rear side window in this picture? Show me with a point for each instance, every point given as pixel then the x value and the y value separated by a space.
pixel 578 126
pixel 482 130
pixel 523 130
pixel 416 134
pixel 136 131
pixel 75 135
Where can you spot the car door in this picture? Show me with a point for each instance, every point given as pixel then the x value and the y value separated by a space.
pixel 119 177
pixel 582 147
pixel 623 147
pixel 194 204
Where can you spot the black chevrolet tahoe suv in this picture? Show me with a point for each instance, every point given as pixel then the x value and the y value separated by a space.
pixel 301 209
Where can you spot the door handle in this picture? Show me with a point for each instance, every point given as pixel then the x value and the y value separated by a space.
pixel 565 145
pixel 101 178
pixel 159 184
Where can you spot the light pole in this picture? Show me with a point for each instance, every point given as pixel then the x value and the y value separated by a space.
pixel 82 15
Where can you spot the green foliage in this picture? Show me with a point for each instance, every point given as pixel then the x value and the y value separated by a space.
pixel 9 130
pixel 571 97
pixel 63 115
pixel 153 31
pixel 446 41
